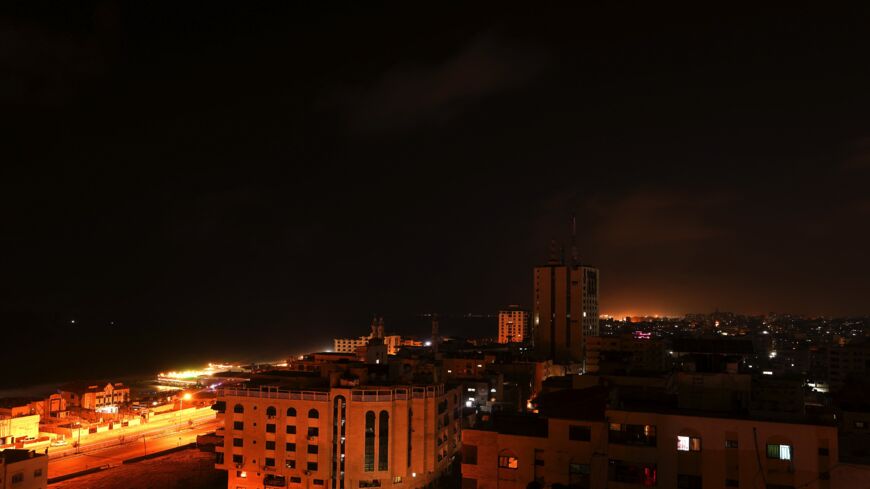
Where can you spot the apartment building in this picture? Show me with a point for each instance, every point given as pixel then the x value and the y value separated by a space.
pixel 23 469
pixel 401 436
pixel 635 448
pixel 95 396
pixel 513 325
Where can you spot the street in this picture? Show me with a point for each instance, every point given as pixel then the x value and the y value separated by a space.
pixel 115 454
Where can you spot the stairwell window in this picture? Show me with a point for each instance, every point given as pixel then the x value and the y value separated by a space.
pixel 508 462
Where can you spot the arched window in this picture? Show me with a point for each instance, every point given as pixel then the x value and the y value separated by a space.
pixel 291 412
pixel 383 440
pixel 238 409
pixel 369 461
pixel 271 411
pixel 313 414
pixel 410 432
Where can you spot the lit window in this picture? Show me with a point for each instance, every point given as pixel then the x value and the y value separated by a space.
pixel 508 462
pixel 781 452
pixel 688 443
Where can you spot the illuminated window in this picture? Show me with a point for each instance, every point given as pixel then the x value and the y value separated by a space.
pixel 781 452
pixel 290 464
pixel 508 462
pixel 688 443
pixel 731 444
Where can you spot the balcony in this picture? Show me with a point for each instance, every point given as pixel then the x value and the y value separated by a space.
pixel 272 480
pixel 266 393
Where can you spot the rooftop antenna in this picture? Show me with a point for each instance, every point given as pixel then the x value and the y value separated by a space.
pixel 554 250
pixel 575 256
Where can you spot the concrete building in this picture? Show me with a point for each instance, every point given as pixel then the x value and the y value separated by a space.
pixel 96 396
pixel 15 429
pixel 625 448
pixel 624 354
pixel 513 325
pixel 565 309
pixel 23 469
pixel 344 424
pixel 393 342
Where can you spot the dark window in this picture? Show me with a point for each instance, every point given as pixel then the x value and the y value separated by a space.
pixel 539 462
pixel 17 478
pixel 270 445
pixel 632 434
pixel 270 428
pixel 383 440
pixel 469 483
pixel 318 482
pixel 313 414
pixel 37 473
pixel 823 452
pixel 685 481
pixel 579 476
pixel 291 429
pixel 290 464
pixel 579 433
pixel 291 447
pixel 732 483
pixel 238 442
pixel 238 459
pixel 312 448
pixel 271 412
pixel 469 455
pixel 238 425
pixel 313 431
pixel 238 409
pixel 825 476
pixel 632 473
pixel 312 466
pixel 270 462
pixel 369 454
pixel 296 480
pixel 291 412
pixel 410 430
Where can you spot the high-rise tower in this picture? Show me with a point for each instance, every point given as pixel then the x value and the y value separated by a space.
pixel 565 305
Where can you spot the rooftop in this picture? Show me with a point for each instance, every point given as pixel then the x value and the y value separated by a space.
pixel 10 456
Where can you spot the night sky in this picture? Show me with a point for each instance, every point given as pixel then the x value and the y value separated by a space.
pixel 203 180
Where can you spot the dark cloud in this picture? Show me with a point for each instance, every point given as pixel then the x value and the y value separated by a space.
pixel 406 96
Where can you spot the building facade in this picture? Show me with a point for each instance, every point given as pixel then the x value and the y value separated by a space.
pixel 23 469
pixel 95 396
pixel 513 325
pixel 632 449
pixel 342 438
pixel 18 428
pixel 565 310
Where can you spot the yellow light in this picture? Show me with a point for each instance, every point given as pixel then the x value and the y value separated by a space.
pixel 187 396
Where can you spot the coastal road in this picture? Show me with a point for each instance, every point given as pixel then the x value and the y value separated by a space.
pixel 116 454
